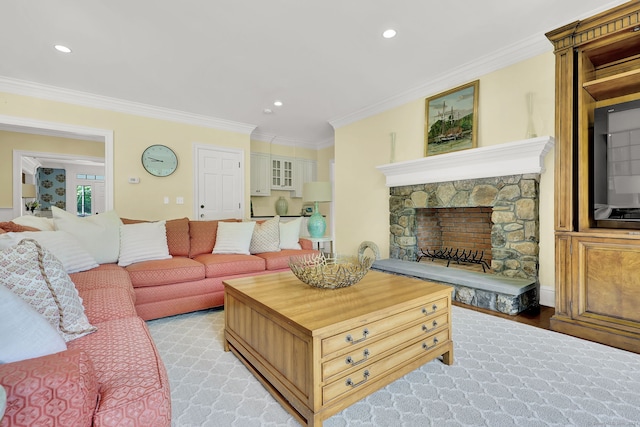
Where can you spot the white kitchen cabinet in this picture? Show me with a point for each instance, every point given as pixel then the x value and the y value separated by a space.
pixel 282 173
pixel 260 174
pixel 305 171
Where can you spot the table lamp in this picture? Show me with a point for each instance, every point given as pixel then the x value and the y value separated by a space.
pixel 316 192
pixel 28 191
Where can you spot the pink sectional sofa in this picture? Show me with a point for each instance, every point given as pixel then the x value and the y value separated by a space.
pixel 192 278
pixel 114 376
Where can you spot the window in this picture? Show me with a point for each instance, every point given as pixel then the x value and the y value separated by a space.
pixel 83 197
pixel 90 177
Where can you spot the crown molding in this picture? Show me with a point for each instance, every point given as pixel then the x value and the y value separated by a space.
pixel 512 54
pixel 292 142
pixel 53 93
pixel 329 142
pixel 29 165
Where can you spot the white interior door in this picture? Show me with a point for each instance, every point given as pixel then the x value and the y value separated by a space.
pixel 220 181
pixel 99 196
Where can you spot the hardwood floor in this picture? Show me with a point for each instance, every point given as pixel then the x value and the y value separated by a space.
pixel 538 316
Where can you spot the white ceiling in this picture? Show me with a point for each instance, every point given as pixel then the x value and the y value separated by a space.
pixel 228 60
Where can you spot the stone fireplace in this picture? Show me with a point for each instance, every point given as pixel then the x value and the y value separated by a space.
pixel 492 196
pixel 513 201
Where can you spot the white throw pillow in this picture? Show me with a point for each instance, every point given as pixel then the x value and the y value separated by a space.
pixel 24 334
pixel 41 223
pixel 234 237
pixel 98 234
pixel 266 237
pixel 6 241
pixel 290 234
pixel 62 245
pixel 35 275
pixel 144 241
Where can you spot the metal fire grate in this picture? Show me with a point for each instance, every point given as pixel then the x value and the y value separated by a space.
pixel 449 255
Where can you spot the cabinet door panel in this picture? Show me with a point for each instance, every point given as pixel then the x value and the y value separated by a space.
pixel 281 173
pixel 563 275
pixel 260 175
pixel 609 279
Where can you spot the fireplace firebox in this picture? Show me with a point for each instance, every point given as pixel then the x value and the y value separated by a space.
pixel 461 235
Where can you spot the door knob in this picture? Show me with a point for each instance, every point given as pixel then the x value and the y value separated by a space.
pixel 201 215
pixel 201 206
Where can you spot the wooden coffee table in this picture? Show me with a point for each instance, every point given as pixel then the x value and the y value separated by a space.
pixel 319 351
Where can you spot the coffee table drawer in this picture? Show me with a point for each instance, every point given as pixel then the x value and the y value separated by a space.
pixel 375 330
pixel 354 381
pixel 371 352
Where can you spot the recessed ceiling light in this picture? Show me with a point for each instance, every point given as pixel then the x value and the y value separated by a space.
pixel 277 103
pixel 61 48
pixel 389 34
pixel 267 111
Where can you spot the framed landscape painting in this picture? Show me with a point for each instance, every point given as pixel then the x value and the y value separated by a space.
pixel 451 120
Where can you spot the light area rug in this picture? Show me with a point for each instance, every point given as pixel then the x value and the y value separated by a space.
pixel 504 374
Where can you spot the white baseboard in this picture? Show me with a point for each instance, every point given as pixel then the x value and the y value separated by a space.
pixel 547 296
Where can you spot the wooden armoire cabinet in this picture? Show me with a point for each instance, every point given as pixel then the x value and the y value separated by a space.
pixel 597 262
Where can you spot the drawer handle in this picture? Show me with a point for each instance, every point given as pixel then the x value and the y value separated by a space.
pixel 351 384
pixel 426 328
pixel 434 308
pixel 428 347
pixel 349 359
pixel 349 338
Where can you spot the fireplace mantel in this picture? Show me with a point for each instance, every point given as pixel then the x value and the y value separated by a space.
pixel 512 158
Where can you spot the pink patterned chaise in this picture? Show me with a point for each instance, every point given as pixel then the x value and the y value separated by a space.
pixel 111 377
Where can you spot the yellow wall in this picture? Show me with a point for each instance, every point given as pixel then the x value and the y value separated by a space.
pixel 132 134
pixel 362 198
pixel 325 159
pixel 37 143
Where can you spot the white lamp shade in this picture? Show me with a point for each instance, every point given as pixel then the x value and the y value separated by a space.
pixel 318 191
pixel 28 191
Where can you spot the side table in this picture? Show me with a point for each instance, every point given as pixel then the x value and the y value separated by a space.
pixel 317 240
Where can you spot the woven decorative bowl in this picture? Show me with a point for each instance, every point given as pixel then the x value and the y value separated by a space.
pixel 329 271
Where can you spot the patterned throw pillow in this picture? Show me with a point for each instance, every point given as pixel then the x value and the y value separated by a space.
pixel 36 276
pixel 266 236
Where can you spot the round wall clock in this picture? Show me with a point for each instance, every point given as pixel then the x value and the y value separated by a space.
pixel 159 160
